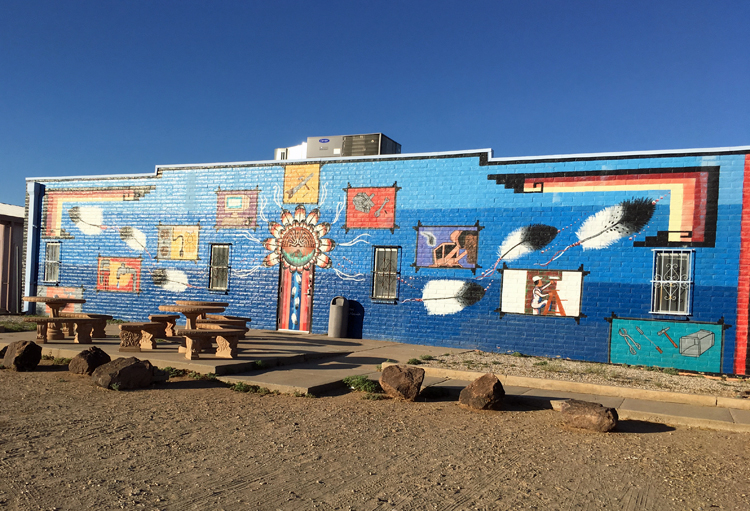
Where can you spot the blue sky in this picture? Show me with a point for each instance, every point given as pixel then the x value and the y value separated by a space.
pixel 114 87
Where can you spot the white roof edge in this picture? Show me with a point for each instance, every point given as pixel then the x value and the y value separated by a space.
pixel 660 152
pixel 96 176
pixel 12 210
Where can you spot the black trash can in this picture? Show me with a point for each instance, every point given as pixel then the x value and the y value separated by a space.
pixel 338 317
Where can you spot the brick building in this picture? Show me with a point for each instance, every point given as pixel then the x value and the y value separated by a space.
pixel 634 258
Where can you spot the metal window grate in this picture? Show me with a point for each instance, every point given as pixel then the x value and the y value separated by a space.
pixel 219 275
pixel 385 274
pixel 52 262
pixel 672 282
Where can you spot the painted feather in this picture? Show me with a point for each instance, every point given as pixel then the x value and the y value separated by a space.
pixel 87 218
pixel 442 297
pixel 615 222
pixel 526 239
pixel 171 280
pixel 134 238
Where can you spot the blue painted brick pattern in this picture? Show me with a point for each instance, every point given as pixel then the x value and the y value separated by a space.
pixel 451 191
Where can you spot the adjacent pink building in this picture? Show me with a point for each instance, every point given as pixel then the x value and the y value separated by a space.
pixel 11 243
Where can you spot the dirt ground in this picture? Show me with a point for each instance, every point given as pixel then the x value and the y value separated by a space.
pixel 191 444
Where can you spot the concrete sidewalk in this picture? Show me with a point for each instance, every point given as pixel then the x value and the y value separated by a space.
pixel 308 363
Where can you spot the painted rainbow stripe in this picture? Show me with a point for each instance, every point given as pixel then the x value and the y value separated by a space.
pixel 693 191
pixel 55 200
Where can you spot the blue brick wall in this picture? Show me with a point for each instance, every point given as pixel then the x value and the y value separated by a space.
pixel 434 191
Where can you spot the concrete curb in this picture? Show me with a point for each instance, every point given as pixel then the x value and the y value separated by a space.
pixel 590 388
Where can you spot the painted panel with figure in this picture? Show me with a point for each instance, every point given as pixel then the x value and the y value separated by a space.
pixel 551 293
pixel 178 242
pixel 447 246
pixel 371 207
pixel 119 274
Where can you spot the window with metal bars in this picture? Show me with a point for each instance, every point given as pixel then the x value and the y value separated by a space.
pixel 52 262
pixel 385 273
pixel 672 282
pixel 219 274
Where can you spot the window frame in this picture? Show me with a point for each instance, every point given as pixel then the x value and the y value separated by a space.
pixel 376 294
pixel 212 266
pixel 52 263
pixel 661 283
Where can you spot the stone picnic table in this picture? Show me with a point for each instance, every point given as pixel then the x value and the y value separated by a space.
pixel 55 303
pixel 192 312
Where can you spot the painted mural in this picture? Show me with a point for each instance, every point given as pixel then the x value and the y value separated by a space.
pixel 694 194
pixel 371 207
pixel 119 274
pixel 444 297
pixel 133 238
pixel 548 217
pixel 688 345
pixel 55 201
pixel 552 293
pixel 451 247
pixel 236 209
pixel 297 246
pixel 170 279
pixel 61 292
pixel 301 184
pixel 178 242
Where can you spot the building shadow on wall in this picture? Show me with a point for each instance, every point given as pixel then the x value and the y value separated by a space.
pixel 356 320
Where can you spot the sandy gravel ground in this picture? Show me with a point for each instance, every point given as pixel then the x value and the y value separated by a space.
pixel 650 378
pixel 189 444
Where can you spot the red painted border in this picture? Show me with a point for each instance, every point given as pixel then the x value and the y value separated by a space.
pixel 743 286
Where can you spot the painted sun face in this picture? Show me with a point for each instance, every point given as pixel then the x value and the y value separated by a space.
pixel 298 241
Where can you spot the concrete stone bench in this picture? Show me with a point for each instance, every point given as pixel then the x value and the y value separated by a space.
pixel 138 336
pixel 168 323
pixel 197 339
pixel 228 323
pixel 41 327
pixel 228 317
pixel 99 322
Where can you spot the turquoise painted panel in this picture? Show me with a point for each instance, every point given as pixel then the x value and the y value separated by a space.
pixel 678 344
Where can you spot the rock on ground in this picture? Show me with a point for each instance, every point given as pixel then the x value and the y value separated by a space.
pixel 484 393
pixel 402 382
pixel 88 360
pixel 22 356
pixel 124 373
pixel 587 415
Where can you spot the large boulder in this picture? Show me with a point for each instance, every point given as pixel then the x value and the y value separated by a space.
pixel 484 393
pixel 124 373
pixel 402 382
pixel 88 360
pixel 587 415
pixel 22 356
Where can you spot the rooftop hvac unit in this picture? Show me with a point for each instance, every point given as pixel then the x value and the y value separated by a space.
pixel 351 145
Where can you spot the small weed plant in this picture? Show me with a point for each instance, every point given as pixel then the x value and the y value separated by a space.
pixel 671 370
pixel 518 354
pixel 13 326
pixel 175 373
pixel 426 357
pixel 362 383
pixel 414 361
pixel 252 389
pixel 199 376
pixel 302 394
pixel 259 364
pixel 115 387
pixel 60 361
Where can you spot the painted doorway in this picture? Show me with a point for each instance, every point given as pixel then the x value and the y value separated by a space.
pixel 295 299
pixel 297 246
